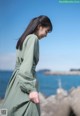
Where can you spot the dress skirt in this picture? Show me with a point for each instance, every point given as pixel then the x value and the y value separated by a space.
pixel 16 101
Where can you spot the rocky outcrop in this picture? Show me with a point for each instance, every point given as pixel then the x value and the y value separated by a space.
pixel 62 104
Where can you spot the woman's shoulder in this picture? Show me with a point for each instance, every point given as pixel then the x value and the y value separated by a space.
pixel 31 38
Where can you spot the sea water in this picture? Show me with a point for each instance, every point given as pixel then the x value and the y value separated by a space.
pixel 48 84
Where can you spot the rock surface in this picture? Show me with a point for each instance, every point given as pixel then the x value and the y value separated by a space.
pixel 62 104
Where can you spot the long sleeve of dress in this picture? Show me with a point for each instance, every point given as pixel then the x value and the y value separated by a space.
pixel 27 69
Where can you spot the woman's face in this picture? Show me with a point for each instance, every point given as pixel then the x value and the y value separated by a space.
pixel 42 32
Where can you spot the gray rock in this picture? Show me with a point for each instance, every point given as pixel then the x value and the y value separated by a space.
pixel 62 104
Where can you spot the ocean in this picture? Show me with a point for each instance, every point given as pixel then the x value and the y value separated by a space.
pixel 48 84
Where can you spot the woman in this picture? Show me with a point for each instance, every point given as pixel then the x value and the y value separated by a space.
pixel 21 97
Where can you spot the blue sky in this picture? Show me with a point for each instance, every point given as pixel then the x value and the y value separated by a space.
pixel 60 50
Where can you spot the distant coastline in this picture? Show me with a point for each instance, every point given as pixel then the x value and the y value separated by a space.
pixel 70 72
pixel 62 73
pixel 50 72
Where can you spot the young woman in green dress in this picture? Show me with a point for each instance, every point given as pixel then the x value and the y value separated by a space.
pixel 22 97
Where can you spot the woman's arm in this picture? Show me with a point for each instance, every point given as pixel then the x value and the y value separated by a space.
pixel 28 81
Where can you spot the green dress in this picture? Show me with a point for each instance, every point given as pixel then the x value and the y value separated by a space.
pixel 23 80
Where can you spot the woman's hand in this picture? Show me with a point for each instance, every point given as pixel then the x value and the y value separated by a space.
pixel 34 96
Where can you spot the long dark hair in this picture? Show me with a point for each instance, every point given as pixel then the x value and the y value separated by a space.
pixel 32 27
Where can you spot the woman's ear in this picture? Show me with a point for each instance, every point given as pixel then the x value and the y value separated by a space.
pixel 38 27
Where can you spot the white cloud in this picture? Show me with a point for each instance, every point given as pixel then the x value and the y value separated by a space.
pixel 7 61
pixel 59 63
